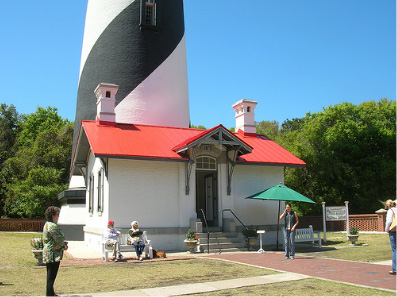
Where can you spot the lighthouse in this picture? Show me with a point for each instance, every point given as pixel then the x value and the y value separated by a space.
pixel 138 45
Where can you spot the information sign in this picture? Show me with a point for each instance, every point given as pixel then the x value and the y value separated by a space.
pixel 335 213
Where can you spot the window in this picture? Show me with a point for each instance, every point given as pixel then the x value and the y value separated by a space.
pixel 91 195
pixel 107 94
pixel 206 163
pixel 100 190
pixel 248 109
pixel 150 13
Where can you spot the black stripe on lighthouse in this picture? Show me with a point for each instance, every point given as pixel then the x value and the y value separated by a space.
pixel 127 53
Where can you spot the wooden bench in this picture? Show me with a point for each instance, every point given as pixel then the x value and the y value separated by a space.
pixel 124 247
pixel 307 234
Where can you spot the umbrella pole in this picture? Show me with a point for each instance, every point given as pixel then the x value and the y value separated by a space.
pixel 278 222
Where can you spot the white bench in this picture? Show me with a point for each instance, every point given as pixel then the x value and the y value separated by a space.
pixel 124 247
pixel 307 234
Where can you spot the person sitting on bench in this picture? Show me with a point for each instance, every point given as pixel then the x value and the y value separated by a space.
pixel 110 237
pixel 134 237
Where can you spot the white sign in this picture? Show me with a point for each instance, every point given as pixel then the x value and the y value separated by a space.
pixel 335 213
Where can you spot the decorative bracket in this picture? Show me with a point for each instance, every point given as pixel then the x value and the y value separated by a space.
pixel 188 170
pixel 82 167
pixel 230 168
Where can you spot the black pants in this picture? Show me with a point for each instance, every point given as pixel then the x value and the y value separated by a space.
pixel 52 271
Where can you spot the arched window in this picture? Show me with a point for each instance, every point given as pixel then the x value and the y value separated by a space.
pixel 206 163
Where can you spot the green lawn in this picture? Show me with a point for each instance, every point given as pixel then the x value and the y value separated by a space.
pixel 371 247
pixel 19 274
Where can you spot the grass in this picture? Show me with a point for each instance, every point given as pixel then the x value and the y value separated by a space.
pixel 305 287
pixel 20 275
pixel 371 247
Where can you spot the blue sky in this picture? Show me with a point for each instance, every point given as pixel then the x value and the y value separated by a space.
pixel 293 57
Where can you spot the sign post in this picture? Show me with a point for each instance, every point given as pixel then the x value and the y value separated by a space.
pixel 347 220
pixel 324 223
pixel 338 213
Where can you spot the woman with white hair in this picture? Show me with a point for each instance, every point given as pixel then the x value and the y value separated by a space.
pixel 134 237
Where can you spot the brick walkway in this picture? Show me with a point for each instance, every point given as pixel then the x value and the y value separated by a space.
pixel 357 273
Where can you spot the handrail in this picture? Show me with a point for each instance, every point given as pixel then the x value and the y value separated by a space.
pixel 228 209
pixel 208 232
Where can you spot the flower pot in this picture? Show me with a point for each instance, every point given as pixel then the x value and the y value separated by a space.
pixel 38 254
pixel 250 242
pixel 191 244
pixel 353 238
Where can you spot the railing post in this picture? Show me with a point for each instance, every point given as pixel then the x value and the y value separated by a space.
pixel 208 232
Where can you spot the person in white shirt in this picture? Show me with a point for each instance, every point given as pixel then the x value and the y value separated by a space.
pixel 391 211
pixel 111 237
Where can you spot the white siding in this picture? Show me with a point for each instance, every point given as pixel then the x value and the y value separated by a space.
pixel 248 180
pixel 150 192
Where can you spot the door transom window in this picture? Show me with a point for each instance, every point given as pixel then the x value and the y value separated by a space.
pixel 206 163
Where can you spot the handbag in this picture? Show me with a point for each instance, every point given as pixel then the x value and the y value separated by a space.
pixel 393 223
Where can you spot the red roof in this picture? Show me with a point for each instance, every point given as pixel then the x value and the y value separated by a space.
pixel 144 141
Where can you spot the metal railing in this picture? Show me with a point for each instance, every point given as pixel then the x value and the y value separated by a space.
pixel 208 232
pixel 228 209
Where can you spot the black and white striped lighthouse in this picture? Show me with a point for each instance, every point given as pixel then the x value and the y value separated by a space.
pixel 138 45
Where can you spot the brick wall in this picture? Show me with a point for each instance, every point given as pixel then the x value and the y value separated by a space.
pixel 365 222
pixel 22 225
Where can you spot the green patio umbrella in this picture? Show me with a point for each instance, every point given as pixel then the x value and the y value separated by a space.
pixel 280 193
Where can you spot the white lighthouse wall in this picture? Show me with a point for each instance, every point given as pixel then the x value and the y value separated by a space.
pixel 162 98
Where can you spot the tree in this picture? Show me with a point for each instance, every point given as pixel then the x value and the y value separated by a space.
pixel 198 127
pixel 9 126
pixel 39 170
pixel 350 155
pixel 9 119
pixel 268 128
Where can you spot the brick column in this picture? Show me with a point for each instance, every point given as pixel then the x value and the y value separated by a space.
pixel 381 213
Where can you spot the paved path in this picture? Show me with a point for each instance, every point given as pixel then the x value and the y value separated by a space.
pixel 207 287
pixel 356 273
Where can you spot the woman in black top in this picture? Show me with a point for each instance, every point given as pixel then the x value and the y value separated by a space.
pixel 291 221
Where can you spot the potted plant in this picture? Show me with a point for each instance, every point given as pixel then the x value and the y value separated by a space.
pixel 37 245
pixel 251 236
pixel 353 235
pixel 191 240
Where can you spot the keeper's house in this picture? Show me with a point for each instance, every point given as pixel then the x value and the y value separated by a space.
pixel 166 178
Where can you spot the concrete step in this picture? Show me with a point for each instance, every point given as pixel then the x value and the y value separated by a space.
pixel 228 250
pixel 223 245
pixel 218 234
pixel 204 240
pixel 220 242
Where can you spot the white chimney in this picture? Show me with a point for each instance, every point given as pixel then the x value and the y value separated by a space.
pixel 106 101
pixel 245 117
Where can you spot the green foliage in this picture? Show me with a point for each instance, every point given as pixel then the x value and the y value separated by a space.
pixel 268 128
pixel 350 155
pixel 9 120
pixel 198 127
pixel 353 231
pixel 9 127
pixel 40 121
pixel 191 236
pixel 37 243
pixel 32 178
pixel 250 232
